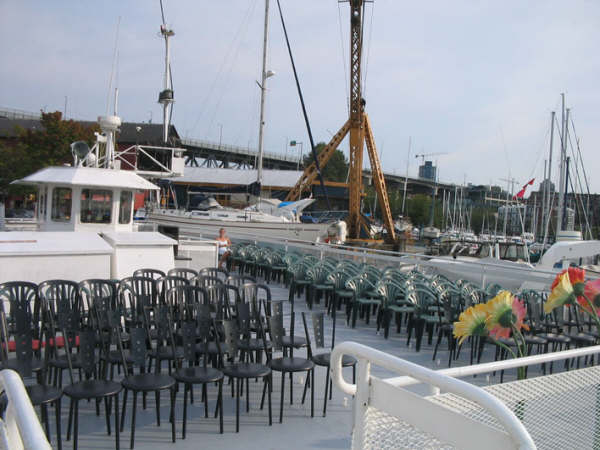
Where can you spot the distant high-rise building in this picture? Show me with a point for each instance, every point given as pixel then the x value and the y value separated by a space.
pixel 427 171
pixel 543 186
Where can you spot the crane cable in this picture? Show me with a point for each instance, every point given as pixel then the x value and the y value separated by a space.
pixel 310 136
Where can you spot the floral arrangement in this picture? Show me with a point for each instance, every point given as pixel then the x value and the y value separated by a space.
pixel 503 315
pixel 569 288
pixel 499 318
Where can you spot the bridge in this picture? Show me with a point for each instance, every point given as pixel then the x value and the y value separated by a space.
pixel 202 153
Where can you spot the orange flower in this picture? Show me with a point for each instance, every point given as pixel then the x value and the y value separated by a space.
pixel 504 312
pixel 576 277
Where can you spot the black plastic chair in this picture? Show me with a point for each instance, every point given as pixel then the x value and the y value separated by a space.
pixel 216 272
pixel 239 371
pixel 290 364
pixel 324 359
pixel 197 327
pixel 95 385
pixel 40 394
pixel 155 274
pixel 188 274
pixel 144 382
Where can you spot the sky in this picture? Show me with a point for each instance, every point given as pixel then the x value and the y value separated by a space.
pixel 473 80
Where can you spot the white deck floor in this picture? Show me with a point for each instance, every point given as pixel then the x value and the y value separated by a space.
pixel 298 431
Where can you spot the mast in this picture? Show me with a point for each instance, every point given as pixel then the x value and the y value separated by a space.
pixel 263 90
pixel 166 98
pixel 549 198
pixel 563 155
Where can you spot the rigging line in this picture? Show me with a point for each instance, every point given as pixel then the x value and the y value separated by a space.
pixel 310 136
pixel 347 85
pixel 112 70
pixel 579 204
pixel 366 71
pixel 227 80
pixel 209 94
pixel 580 156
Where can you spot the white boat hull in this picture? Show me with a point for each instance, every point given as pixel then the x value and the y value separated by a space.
pixel 196 227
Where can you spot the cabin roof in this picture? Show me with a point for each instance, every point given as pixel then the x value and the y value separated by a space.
pixel 234 177
pixel 88 176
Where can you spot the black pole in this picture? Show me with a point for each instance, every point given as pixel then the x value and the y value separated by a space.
pixel 564 215
pixel 310 136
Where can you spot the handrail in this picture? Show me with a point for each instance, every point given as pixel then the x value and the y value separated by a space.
pixel 22 428
pixel 367 355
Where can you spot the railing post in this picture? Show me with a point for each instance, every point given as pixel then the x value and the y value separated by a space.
pixel 361 403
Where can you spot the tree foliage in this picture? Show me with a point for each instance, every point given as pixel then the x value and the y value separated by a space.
pixel 337 167
pixel 37 148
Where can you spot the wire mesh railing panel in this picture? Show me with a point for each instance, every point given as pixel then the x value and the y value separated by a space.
pixel 383 431
pixel 559 411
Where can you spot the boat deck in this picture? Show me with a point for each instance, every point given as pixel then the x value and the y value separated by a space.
pixel 298 430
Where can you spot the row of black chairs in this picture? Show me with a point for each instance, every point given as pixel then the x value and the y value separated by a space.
pixel 89 328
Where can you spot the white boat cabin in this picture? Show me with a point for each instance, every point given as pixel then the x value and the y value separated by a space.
pixel 86 198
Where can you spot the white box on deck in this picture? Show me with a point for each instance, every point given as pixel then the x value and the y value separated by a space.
pixel 139 250
pixel 197 253
pixel 39 256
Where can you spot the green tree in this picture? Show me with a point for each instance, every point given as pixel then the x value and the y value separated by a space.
pixel 336 168
pixel 37 148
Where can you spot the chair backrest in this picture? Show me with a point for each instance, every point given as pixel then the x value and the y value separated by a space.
pixel 138 295
pixel 101 296
pixel 185 298
pixel 188 274
pixel 20 296
pixel 138 346
pixel 318 328
pixel 165 284
pixel 216 272
pixel 207 280
pixel 230 337
pixel 275 323
pixel 155 274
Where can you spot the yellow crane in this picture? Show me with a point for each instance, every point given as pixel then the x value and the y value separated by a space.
pixel 361 133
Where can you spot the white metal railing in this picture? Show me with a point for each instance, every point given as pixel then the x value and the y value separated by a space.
pixel 20 427
pixel 552 411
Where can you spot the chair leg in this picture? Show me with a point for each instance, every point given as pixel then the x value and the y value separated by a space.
pixel 76 425
pixel 44 410
pixel 133 413
pixel 312 392
pixel 123 411
pixel 220 406
pixel 269 380
pixel 117 440
pixel 70 423
pixel 107 414
pixel 282 395
pixel 157 399
pixel 58 431
pixel 173 392
pixel 237 406
pixel 185 401
pixel 326 393
pixel 204 393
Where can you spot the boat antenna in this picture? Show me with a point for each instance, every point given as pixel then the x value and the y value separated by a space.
pixel 166 97
pixel 114 63
pixel 310 135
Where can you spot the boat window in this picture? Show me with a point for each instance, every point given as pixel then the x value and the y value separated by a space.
pixel 125 207
pixel 42 203
pixel 96 206
pixel 61 204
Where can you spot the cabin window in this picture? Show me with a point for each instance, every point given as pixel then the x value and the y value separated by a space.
pixel 96 206
pixel 61 204
pixel 42 203
pixel 125 207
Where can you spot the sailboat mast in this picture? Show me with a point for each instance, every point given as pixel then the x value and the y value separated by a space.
pixel 561 183
pixel 548 205
pixel 263 90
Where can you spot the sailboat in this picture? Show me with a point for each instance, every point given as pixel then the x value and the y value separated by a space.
pixel 266 217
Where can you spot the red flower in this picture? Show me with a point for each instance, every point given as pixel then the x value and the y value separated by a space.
pixel 592 291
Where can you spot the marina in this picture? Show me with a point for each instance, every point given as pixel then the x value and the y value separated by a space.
pixel 159 290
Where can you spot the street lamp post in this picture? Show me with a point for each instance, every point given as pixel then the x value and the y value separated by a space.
pixel 293 144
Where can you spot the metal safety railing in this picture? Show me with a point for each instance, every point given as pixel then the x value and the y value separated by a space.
pixel 561 410
pixel 20 427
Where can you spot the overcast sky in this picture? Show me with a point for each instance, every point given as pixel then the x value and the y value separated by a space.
pixel 474 79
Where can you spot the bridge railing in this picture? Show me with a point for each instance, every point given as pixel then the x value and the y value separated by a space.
pixel 238 150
